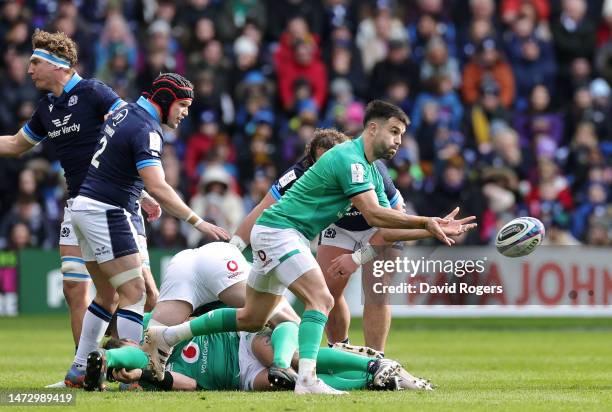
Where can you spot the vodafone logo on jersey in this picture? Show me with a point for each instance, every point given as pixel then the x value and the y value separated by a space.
pixel 232 266
pixel 190 353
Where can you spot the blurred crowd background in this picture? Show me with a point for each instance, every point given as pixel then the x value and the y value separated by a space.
pixel 509 101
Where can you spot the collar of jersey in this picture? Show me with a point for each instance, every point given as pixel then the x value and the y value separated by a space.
pixel 72 82
pixel 145 104
pixel 359 141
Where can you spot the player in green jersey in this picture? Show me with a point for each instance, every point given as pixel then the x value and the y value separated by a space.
pixel 240 361
pixel 280 241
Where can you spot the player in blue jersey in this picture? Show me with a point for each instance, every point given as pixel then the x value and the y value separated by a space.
pixel 69 117
pixel 127 159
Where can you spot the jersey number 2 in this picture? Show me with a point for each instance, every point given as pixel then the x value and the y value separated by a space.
pixel 94 160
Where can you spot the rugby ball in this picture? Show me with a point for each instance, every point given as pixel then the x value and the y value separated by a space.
pixel 519 237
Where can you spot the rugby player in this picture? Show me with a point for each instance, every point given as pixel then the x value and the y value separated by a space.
pixel 241 361
pixel 126 160
pixel 282 259
pixel 70 117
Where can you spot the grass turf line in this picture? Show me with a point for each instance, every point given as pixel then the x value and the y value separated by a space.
pixel 478 364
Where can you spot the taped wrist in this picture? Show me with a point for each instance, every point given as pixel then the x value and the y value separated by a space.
pixel 148 379
pixel 238 242
pixel 364 255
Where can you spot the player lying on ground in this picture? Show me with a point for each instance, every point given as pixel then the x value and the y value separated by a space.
pixel 242 361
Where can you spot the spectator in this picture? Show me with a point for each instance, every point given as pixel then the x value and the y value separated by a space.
pixel 216 202
pixel 168 235
pixel 488 64
pixel 396 66
pixel 539 124
pixel 438 63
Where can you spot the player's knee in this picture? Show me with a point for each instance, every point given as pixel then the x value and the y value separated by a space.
pixel 324 302
pixel 75 292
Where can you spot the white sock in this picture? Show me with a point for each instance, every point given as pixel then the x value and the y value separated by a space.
pixel 129 325
pixel 95 322
pixel 178 333
pixel 307 371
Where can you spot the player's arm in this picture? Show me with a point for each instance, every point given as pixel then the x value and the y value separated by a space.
pixel 378 216
pixel 242 237
pixel 15 145
pixel 173 381
pixel 155 181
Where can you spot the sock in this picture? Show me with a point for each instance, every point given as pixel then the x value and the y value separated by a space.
pixel 95 322
pixel 127 357
pixel 309 338
pixel 218 320
pixel 343 384
pixel 345 341
pixel 352 375
pixel 336 361
pixel 129 325
pixel 284 343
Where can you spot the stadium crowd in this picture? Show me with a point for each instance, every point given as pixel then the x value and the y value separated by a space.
pixel 509 101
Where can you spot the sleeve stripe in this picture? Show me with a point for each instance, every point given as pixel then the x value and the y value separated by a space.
pixel 32 137
pixel 358 192
pixel 148 162
pixel 275 193
pixel 393 201
pixel 119 102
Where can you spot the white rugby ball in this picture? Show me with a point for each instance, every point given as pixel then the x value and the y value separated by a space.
pixel 519 237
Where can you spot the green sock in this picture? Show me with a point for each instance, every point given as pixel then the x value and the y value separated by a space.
pixel 284 342
pixel 336 361
pixel 310 333
pixel 352 375
pixel 215 321
pixel 342 384
pixel 127 357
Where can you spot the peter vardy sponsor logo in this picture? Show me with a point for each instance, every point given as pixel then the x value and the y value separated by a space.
pixel 61 123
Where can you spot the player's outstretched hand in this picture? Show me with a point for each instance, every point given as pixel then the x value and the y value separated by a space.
pixel 151 207
pixel 343 265
pixel 433 226
pixel 126 376
pixel 216 232
pixel 458 227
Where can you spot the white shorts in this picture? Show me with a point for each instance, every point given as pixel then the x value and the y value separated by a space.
pixel 104 232
pixel 249 365
pixel 345 239
pixel 198 276
pixel 280 256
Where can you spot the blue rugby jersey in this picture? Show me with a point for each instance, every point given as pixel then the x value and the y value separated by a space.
pixel 72 123
pixel 131 139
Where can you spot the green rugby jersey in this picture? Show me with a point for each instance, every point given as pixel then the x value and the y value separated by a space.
pixel 211 360
pixel 322 195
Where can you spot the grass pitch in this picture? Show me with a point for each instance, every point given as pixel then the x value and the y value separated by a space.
pixel 477 364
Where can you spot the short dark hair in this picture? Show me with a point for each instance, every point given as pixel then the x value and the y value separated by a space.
pixel 379 109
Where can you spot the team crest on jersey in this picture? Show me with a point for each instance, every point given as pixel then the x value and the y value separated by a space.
pixel 73 100
pixel 357 173
pixel 190 353
pixel 119 116
pixel 330 233
pixel 50 108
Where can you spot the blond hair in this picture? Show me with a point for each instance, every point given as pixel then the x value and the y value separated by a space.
pixel 57 43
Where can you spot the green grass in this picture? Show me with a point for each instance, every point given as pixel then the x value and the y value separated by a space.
pixel 477 364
